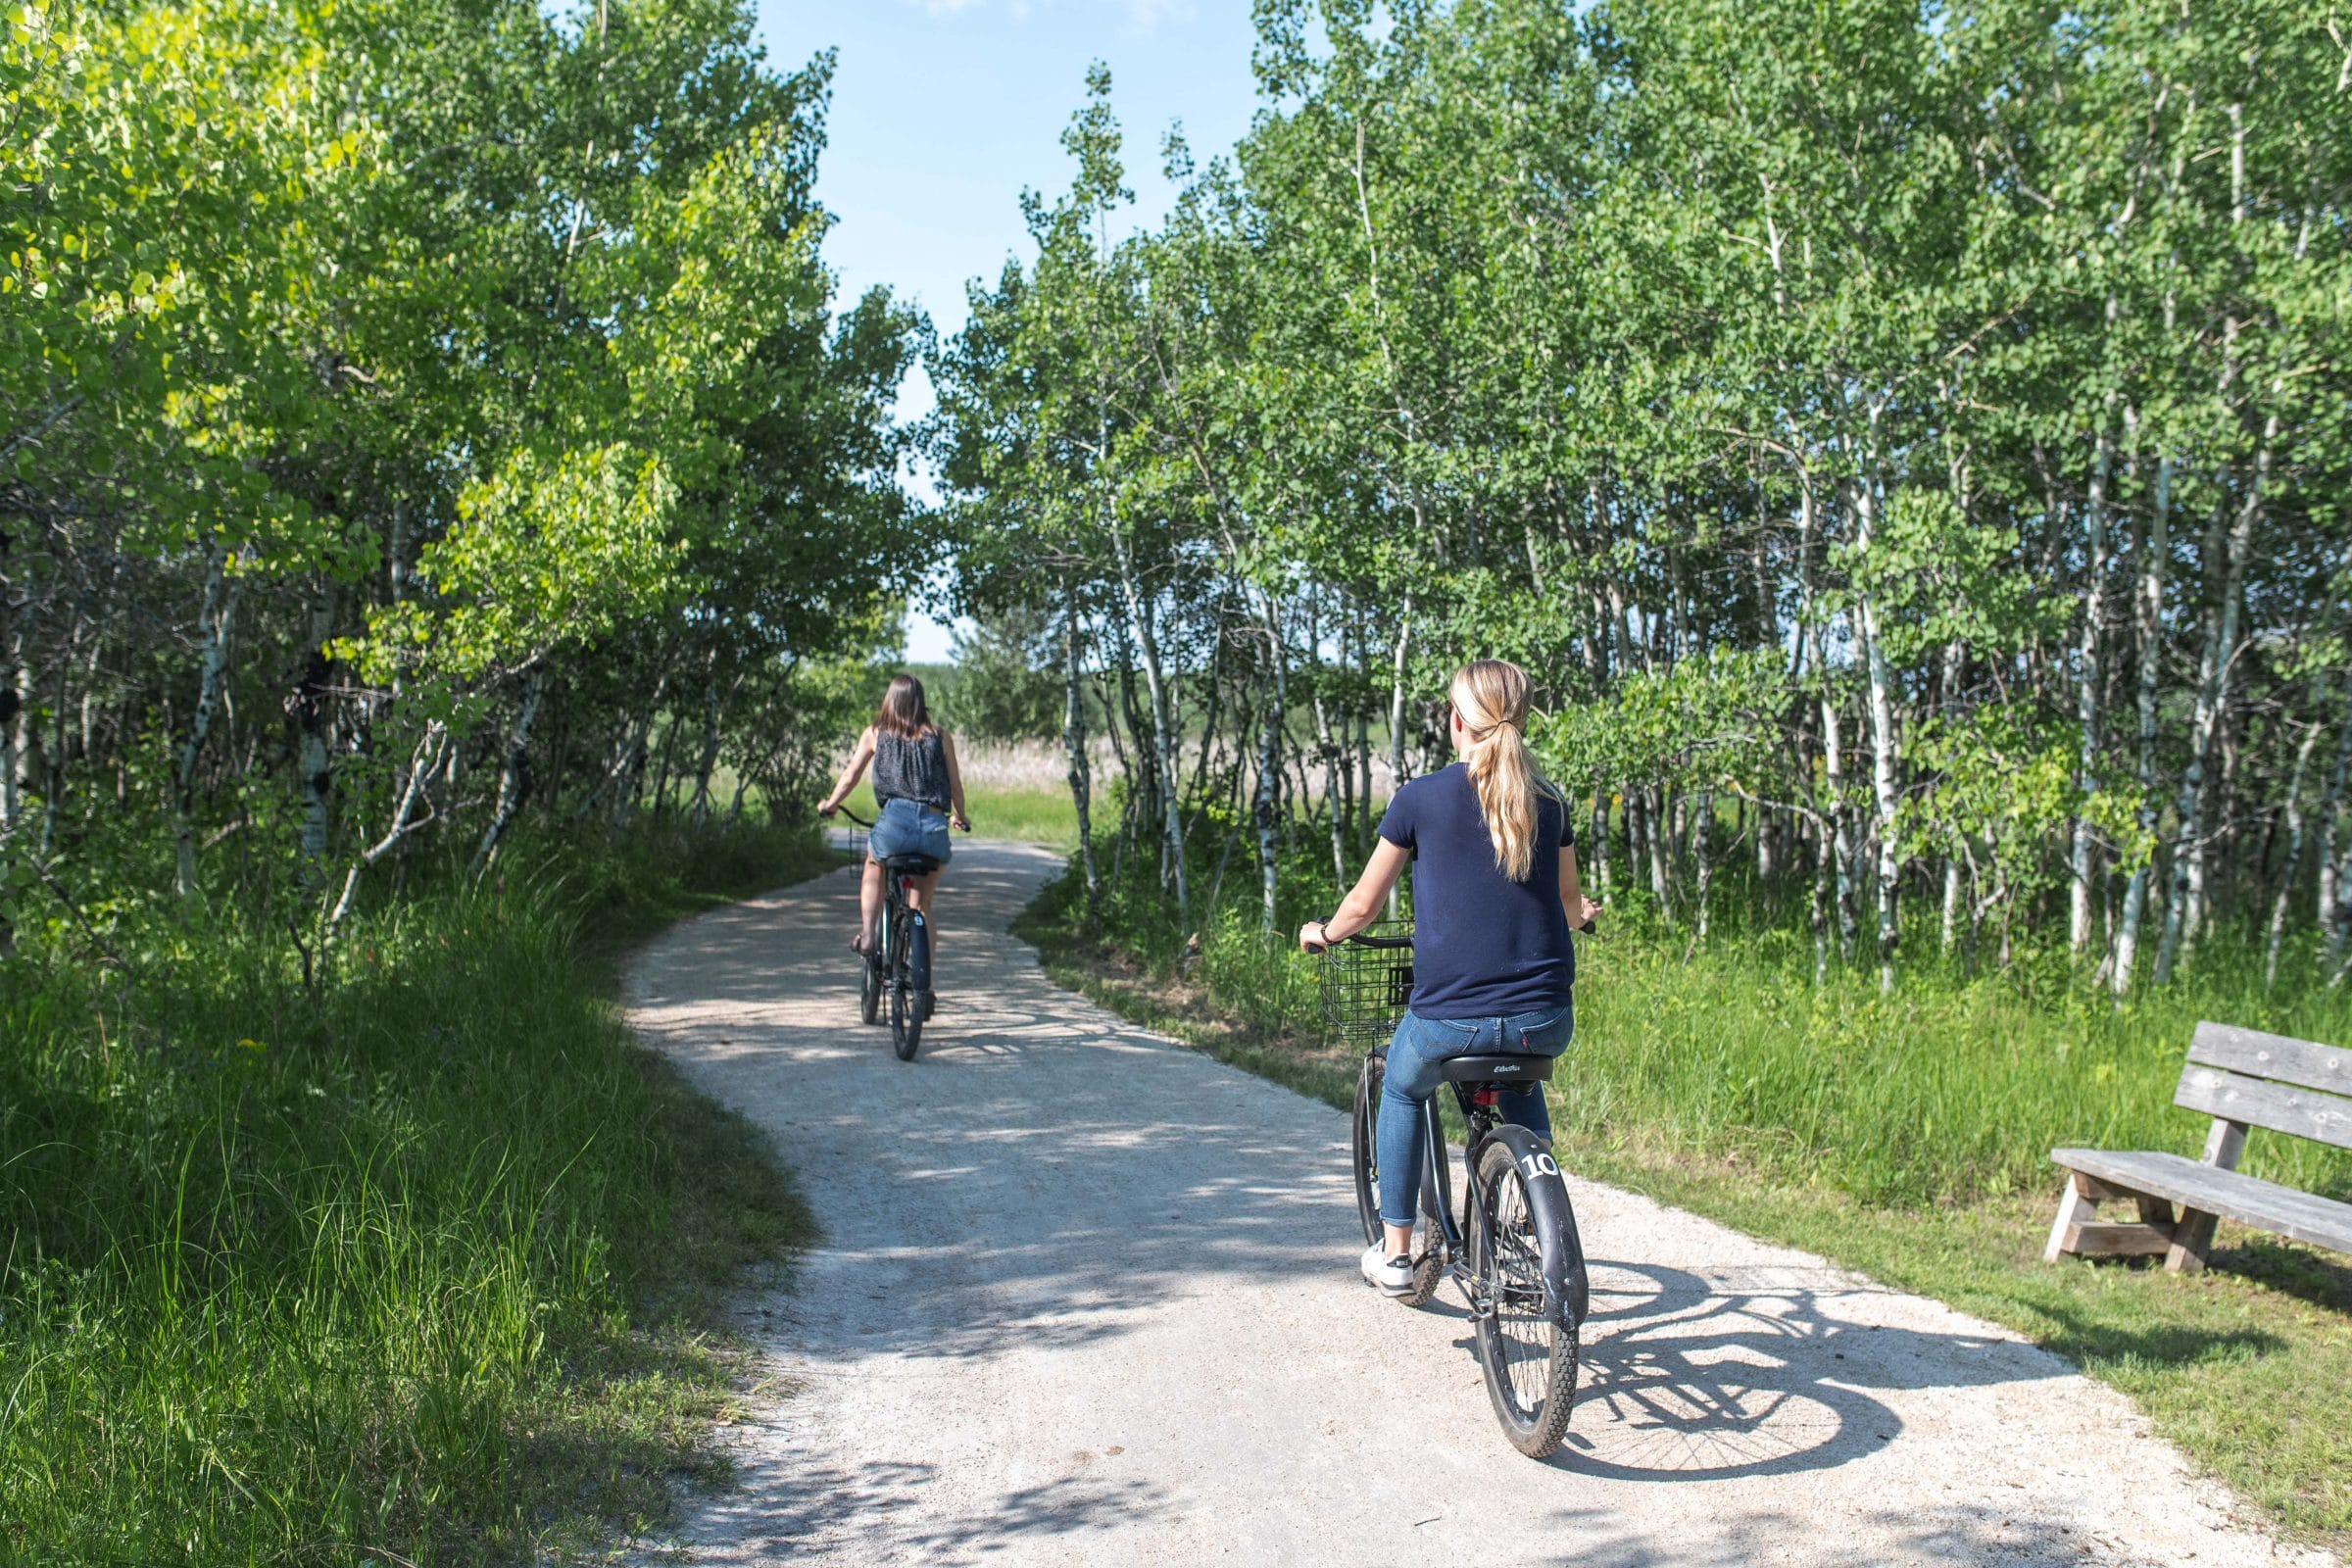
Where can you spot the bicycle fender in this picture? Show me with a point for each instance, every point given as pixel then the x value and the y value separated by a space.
pixel 1565 1280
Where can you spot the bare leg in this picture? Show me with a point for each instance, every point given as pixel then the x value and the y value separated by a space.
pixel 1401 1240
pixel 870 901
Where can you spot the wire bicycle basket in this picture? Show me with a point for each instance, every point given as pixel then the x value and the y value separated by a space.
pixel 856 836
pixel 1365 983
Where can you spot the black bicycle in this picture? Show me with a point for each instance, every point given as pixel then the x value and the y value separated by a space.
pixel 1513 1251
pixel 897 968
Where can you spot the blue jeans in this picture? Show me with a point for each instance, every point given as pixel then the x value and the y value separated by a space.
pixel 1401 1140
pixel 910 827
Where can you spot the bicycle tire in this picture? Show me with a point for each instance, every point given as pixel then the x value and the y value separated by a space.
pixel 906 1010
pixel 1426 1272
pixel 869 989
pixel 1527 1344
pixel 906 1022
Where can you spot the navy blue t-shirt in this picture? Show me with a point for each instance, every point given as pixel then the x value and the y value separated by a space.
pixel 1484 945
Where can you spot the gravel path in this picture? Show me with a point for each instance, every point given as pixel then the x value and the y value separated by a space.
pixel 1088 1297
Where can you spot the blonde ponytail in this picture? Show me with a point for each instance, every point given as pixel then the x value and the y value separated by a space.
pixel 1491 697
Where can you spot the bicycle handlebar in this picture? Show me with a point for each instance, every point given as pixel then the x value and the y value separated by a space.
pixel 855 818
pixel 1363 941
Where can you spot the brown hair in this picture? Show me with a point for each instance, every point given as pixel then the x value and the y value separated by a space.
pixel 1492 696
pixel 904 713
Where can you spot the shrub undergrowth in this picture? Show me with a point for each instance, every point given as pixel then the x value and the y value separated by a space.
pixel 416 1260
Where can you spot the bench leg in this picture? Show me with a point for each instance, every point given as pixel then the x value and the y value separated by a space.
pixel 2076 1207
pixel 2193 1237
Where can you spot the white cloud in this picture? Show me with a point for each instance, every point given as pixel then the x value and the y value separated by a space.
pixel 943 7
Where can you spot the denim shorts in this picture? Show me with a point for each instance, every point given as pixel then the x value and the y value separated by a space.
pixel 910 827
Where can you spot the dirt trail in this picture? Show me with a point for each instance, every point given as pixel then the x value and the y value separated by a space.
pixel 1088 1297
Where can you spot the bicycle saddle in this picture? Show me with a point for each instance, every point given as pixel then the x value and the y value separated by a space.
pixel 1515 1068
pixel 911 864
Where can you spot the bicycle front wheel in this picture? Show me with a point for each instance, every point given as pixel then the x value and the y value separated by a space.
pixel 1367 1159
pixel 1527 1344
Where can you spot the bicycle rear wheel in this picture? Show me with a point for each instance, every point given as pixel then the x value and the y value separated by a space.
pixel 1527 1344
pixel 1367 1184
pixel 906 1010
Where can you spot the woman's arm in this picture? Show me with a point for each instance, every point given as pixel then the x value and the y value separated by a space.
pixel 851 774
pixel 1361 907
pixel 946 748
pixel 1578 908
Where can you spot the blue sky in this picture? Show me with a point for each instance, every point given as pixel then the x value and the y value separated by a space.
pixel 944 109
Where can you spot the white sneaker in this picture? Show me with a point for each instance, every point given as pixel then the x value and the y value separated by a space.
pixel 1391 1275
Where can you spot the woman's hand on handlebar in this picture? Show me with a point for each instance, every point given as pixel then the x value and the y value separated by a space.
pixel 1313 937
pixel 963 823
pixel 827 808
pixel 1592 913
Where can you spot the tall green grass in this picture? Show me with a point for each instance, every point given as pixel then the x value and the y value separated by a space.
pixel 416 1263
pixel 1949 1088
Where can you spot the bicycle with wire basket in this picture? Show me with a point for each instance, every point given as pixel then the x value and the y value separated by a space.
pixel 898 966
pixel 1511 1246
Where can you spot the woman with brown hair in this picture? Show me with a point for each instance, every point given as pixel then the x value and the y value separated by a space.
pixel 918 790
pixel 1495 896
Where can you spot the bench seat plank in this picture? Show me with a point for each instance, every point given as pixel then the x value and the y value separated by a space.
pixel 2233 1195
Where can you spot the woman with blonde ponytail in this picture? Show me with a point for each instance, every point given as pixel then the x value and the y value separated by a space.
pixel 1494 894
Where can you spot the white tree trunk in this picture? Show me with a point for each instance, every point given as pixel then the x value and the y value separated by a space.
pixel 510 774
pixel 2295 843
pixel 1073 741
pixel 2087 687
pixel 1884 761
pixel 1397 762
pixel 2191 877
pixel 219 605
pixel 1164 722
pixel 2154 550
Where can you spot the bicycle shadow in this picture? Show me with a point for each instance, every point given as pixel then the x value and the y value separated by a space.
pixel 1753 1371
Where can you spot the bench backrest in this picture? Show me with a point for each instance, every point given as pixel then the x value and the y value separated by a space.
pixel 2259 1080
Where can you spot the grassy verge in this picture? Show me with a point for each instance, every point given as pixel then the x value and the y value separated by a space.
pixel 1903 1137
pixel 421 1264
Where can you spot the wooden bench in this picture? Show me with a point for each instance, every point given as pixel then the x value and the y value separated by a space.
pixel 2241 1079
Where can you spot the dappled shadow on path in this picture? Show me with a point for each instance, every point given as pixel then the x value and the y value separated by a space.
pixel 1976 1534
pixel 869 1512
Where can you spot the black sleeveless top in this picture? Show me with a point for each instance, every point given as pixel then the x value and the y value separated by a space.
pixel 911 769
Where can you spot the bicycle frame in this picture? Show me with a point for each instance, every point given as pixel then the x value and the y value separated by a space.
pixel 1566 1287
pixel 897 908
pixel 1436 1184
